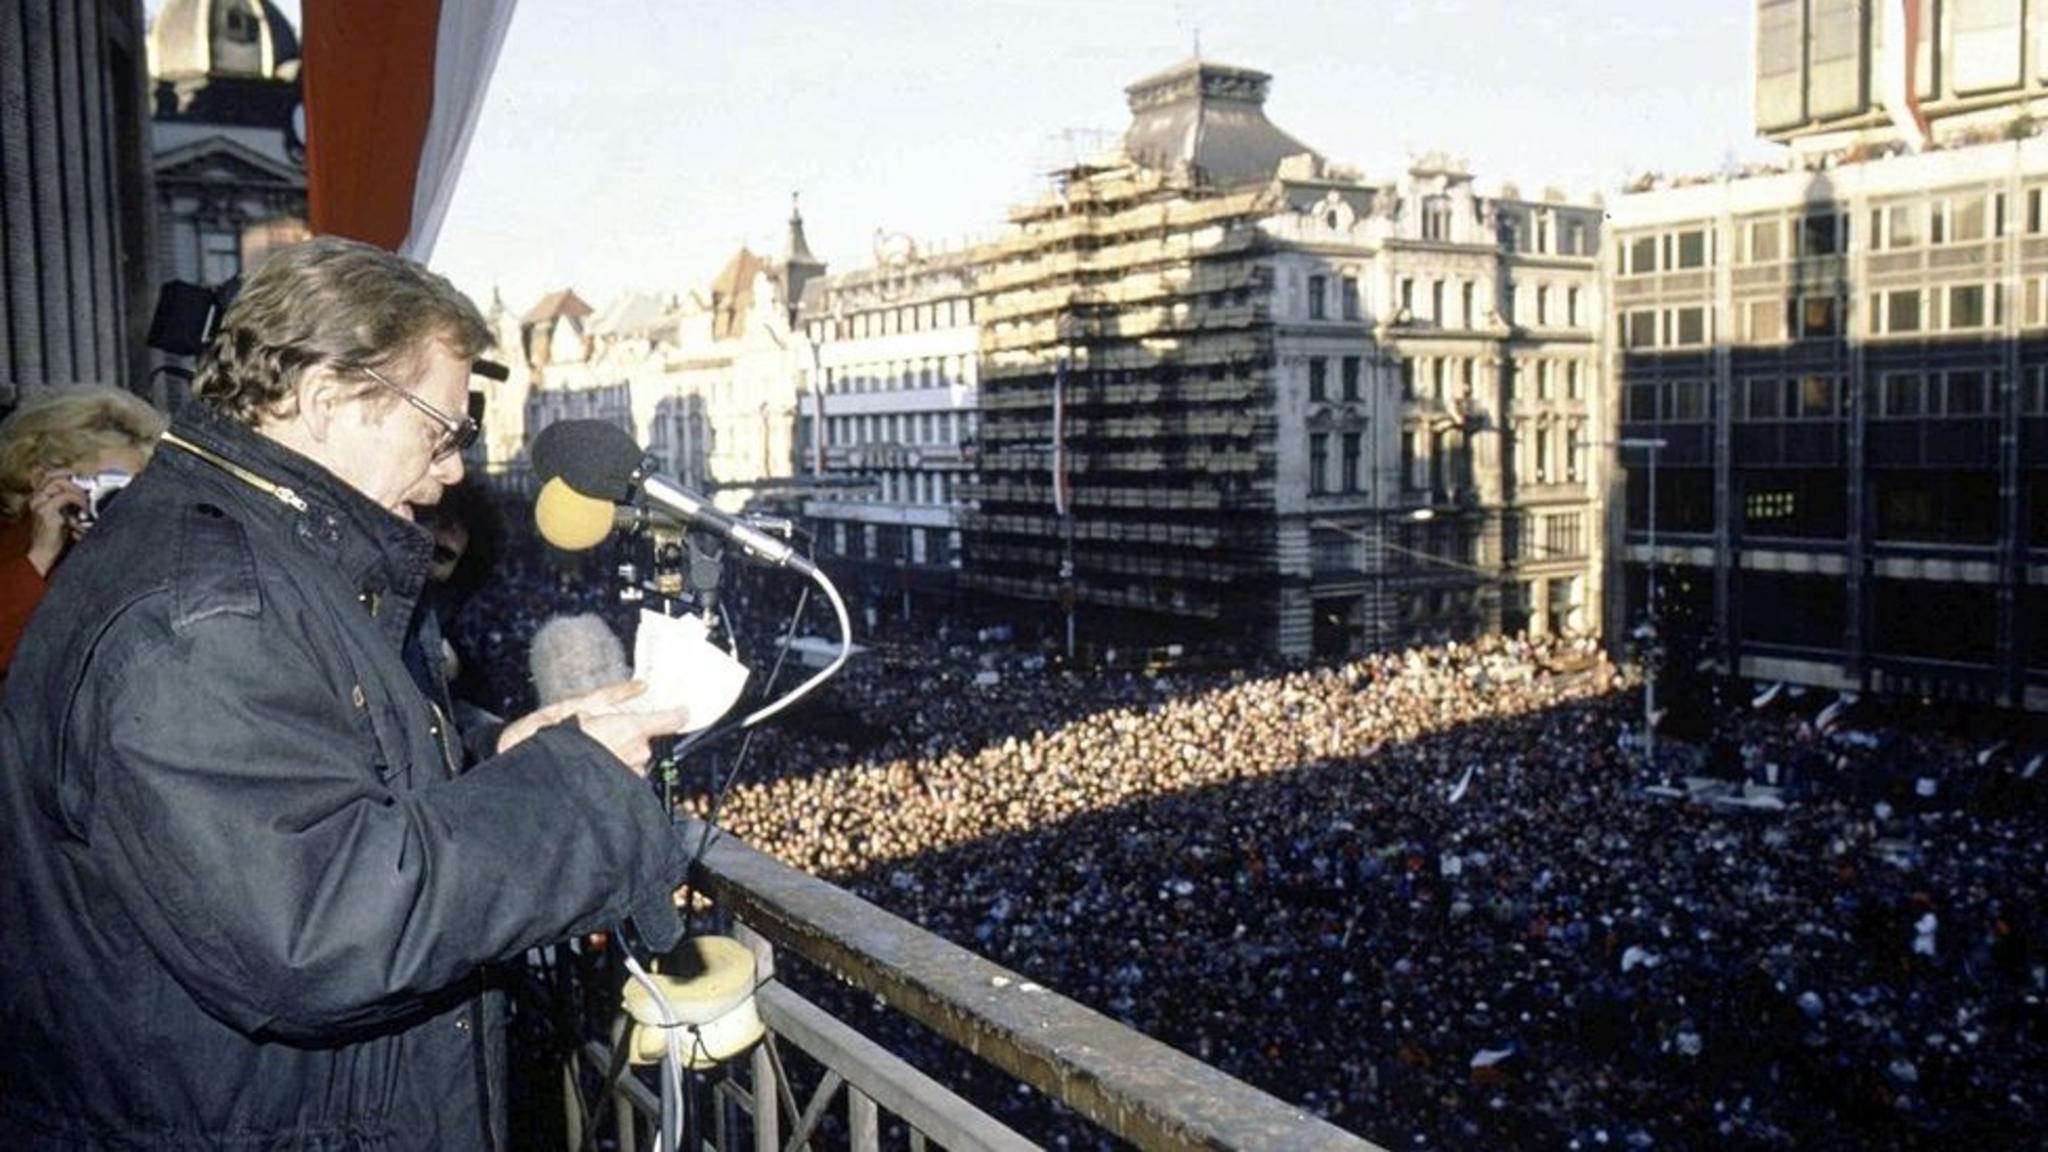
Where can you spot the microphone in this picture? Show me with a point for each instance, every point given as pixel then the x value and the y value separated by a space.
pixel 587 467
pixel 575 655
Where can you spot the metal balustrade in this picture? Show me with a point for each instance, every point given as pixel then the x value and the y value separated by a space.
pixel 1130 1086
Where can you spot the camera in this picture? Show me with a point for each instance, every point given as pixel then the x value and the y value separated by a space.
pixel 99 489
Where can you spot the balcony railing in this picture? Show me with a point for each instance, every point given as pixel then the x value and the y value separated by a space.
pixel 1128 1085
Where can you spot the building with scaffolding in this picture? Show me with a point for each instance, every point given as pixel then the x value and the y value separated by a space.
pixel 1843 358
pixel 1236 395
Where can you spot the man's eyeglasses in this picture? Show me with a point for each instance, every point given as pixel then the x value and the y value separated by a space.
pixel 456 434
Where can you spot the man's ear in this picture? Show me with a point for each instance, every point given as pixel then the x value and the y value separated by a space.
pixel 321 394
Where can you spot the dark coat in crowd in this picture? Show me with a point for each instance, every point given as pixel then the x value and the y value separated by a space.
pixel 247 892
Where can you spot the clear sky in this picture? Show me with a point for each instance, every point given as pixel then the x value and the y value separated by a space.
pixel 637 143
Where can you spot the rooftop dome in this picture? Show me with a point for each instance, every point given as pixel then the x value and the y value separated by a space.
pixel 1209 119
pixel 222 38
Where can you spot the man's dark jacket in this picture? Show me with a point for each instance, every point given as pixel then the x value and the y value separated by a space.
pixel 245 890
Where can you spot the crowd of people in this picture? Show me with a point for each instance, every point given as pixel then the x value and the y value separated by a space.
pixel 1432 897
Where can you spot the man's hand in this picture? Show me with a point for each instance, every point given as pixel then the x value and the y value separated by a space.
pixel 625 734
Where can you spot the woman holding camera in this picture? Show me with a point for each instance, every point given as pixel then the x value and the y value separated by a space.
pixel 61 453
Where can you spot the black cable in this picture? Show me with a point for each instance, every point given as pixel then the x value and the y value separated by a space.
pixel 719 795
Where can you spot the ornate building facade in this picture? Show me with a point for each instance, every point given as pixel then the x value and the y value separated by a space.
pixel 1297 410
pixel 889 418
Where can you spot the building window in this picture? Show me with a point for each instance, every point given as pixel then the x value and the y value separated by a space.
pixel 1436 303
pixel 1574 455
pixel 1318 286
pixel 1819 317
pixel 1686 401
pixel 1692 249
pixel 1318 378
pixel 1900 396
pixel 1900 310
pixel 1470 318
pixel 1543 304
pixel 1574 383
pixel 1964 394
pixel 1823 234
pixel 1966 307
pixel 1407 299
pixel 1571 307
pixel 1895 227
pixel 1815 396
pixel 1688 326
pixel 1765 321
pixel 1318 464
pixel 1765 245
pixel 220 256
pixel 1436 218
pixel 1353 444
pixel 1407 370
pixel 1763 398
pixel 2034 390
pixel 1563 534
pixel 1351 306
pixel 1640 329
pixel 1348 377
pixel 1575 238
pixel 1958 220
pixel 241 26
pixel 1642 256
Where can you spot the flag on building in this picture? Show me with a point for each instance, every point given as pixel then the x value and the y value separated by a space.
pixel 1059 440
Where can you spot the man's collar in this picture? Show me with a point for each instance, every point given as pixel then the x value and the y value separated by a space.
pixel 379 550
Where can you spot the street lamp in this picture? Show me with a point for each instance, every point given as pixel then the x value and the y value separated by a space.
pixel 1647 631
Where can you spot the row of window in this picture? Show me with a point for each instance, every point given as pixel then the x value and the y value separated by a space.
pixel 1348 305
pixel 906 375
pixel 1890 312
pixel 950 427
pixel 1961 392
pixel 1539 448
pixel 1533 232
pixel 1348 371
pixel 1543 452
pixel 1438 378
pixel 1689 327
pixel 1550 304
pixel 1563 535
pixel 886 542
pixel 1958 218
pixel 893 321
pixel 1349 474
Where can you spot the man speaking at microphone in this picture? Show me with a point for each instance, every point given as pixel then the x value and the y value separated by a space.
pixel 247 888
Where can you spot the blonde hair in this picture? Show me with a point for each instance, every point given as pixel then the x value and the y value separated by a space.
pixel 329 303
pixel 62 427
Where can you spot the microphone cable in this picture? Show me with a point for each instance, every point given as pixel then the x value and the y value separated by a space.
pixel 749 724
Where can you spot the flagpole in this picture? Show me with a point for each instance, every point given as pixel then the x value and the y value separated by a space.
pixel 1062 501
